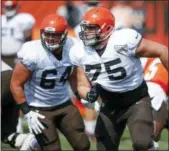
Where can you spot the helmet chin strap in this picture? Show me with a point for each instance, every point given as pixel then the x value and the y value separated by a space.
pixel 55 50
pixel 52 48
pixel 90 42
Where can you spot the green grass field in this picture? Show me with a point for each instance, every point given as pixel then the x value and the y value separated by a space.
pixel 124 145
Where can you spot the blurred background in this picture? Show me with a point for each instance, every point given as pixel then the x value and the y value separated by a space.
pixel 150 18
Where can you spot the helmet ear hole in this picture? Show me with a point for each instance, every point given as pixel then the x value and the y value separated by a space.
pixel 108 28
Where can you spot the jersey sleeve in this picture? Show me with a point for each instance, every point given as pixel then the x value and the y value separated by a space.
pixel 133 39
pixel 27 22
pixel 26 57
pixel 74 55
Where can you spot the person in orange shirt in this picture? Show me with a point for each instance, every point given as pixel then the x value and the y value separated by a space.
pixel 156 77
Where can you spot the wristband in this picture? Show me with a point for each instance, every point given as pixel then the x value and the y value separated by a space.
pixel 24 107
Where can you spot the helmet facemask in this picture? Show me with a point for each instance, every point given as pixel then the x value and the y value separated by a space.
pixel 93 35
pixel 53 41
pixel 10 11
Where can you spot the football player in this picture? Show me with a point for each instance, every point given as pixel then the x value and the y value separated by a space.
pixel 39 86
pixel 9 115
pixel 156 77
pixel 108 65
pixel 16 29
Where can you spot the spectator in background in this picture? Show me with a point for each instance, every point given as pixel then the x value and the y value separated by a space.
pixel 122 12
pixel 16 29
pixel 138 15
pixel 89 4
pixel 73 11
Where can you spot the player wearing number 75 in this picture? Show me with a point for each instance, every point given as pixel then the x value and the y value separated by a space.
pixel 39 86
pixel 108 65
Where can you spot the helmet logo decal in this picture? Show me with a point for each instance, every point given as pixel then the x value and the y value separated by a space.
pixel 49 29
pixel 122 49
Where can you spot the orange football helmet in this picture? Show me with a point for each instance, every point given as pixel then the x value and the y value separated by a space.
pixel 97 25
pixel 10 8
pixel 53 32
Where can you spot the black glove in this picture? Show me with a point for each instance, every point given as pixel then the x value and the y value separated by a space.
pixel 93 94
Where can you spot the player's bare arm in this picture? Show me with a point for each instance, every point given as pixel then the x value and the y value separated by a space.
pixel 148 48
pixel 20 75
pixel 83 84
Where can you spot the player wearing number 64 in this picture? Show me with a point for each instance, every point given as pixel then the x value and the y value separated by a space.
pixel 39 86
pixel 108 65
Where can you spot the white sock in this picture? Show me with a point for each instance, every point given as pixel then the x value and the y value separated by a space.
pixel 20 126
pixel 90 126
pixel 19 139
pixel 155 146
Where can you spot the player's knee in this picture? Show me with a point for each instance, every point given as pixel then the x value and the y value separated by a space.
pixel 142 144
pixel 83 144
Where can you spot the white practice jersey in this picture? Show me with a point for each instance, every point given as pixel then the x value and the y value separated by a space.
pixel 118 69
pixel 5 67
pixel 13 31
pixel 48 85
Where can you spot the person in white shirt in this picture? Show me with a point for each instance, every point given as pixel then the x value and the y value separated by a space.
pixel 16 29
pixel 122 12
pixel 39 86
pixel 108 66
